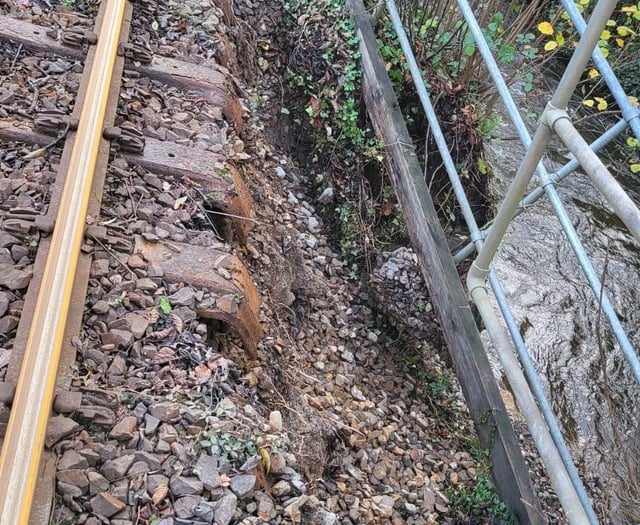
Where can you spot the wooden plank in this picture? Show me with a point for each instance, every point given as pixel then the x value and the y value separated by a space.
pixel 447 293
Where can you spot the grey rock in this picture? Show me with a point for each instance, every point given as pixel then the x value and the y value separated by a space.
pixel 125 429
pixel 106 505
pixel 150 459
pixel 69 490
pixel 97 483
pixel 183 297
pixel 137 323
pixel 226 508
pixel 275 421
pixel 384 505
pixel 118 467
pixel 185 506
pixel 207 471
pixel 12 278
pixel 74 477
pixel 120 490
pixel 7 324
pixel 281 488
pixel 243 484
pixel 278 463
pixel 150 424
pixel 138 467
pixel 155 480
pixel 146 284
pixel 99 268
pixel 184 485
pixel 7 240
pixel 205 510
pixel 266 507
pixel 60 427
pixel 124 338
pixel 165 411
pixel 72 460
pixel 5 299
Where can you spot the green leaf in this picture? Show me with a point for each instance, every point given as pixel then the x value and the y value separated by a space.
pixel 164 305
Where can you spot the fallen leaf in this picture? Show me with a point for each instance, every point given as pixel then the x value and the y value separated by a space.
pixel 159 494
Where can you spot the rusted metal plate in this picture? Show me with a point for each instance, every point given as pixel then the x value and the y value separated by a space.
pixel 219 180
pixel 234 298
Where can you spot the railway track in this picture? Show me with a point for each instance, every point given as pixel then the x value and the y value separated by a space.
pixel 66 246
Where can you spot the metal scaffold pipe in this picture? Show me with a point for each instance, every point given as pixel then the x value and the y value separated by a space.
pixel 620 202
pixel 547 183
pixel 24 440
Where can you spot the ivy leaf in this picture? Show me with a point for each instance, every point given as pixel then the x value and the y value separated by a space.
pixel 545 28
pixel 605 35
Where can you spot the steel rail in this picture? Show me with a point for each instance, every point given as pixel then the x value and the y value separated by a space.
pixel 24 440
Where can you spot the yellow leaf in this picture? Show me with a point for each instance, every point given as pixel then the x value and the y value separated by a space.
pixel 602 103
pixel 266 459
pixel 605 35
pixel 629 9
pixel 620 42
pixel 545 28
pixel 552 44
pixel 625 31
pixel 593 73
pixel 560 39
pixel 635 168
pixel 584 2
pixel 633 100
pixel 605 51
pixel 588 102
pixel 611 23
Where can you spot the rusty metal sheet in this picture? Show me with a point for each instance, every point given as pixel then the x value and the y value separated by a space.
pixel 237 302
